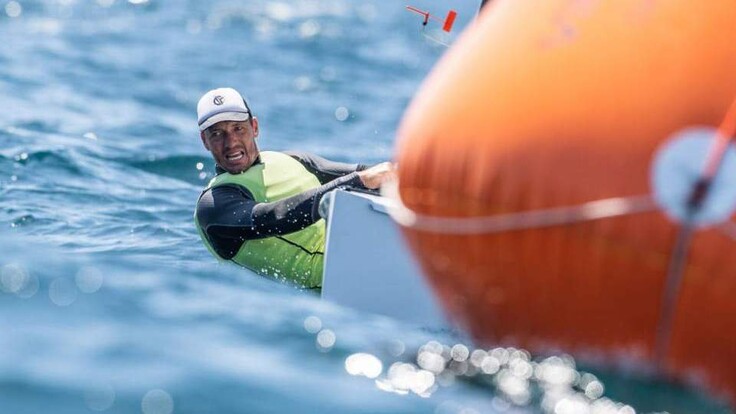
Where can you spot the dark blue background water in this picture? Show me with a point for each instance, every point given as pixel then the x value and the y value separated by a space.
pixel 109 302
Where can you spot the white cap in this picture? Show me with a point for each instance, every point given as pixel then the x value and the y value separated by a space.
pixel 222 104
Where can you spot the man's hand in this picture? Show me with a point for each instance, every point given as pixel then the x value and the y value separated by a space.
pixel 375 176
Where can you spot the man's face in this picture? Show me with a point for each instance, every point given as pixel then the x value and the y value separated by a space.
pixel 232 144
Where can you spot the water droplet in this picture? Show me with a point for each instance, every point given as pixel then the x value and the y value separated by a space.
pixel 490 365
pixel 199 166
pixel 555 371
pixel 302 83
pixel 515 388
pixel 363 364
pixel 396 348
pixel 594 390
pixel 572 405
pixel 30 289
pixel 312 324
pixel 477 356
pixel 13 278
pixel 627 409
pixel 62 292
pixel 342 113
pixel 157 402
pixel 308 29
pixel 89 279
pixel 431 361
pixel 280 11
pixel 459 352
pixel 326 339
pixel 422 382
pixel 13 9
pixel 521 368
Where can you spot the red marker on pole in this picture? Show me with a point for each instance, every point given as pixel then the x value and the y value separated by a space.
pixel 449 21
pixel 446 24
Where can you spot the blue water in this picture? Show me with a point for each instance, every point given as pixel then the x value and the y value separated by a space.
pixel 109 303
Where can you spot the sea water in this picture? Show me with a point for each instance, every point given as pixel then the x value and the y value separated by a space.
pixel 108 300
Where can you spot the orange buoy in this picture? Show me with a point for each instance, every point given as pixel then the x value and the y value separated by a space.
pixel 541 108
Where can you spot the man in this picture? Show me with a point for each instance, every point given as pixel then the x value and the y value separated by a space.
pixel 260 211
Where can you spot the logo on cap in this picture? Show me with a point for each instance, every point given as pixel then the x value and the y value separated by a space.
pixel 219 100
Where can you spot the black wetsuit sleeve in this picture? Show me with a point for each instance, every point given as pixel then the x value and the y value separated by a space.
pixel 229 214
pixel 324 169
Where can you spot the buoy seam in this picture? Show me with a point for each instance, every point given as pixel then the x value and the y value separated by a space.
pixel 594 210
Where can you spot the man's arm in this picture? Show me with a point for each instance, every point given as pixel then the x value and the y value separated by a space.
pixel 229 214
pixel 324 169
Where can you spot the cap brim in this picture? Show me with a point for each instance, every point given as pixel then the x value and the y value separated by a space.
pixel 224 116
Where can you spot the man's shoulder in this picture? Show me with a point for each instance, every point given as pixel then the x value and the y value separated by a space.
pixel 210 196
pixel 295 154
pixel 222 204
pixel 304 157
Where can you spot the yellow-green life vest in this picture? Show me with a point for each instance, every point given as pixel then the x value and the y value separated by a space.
pixel 295 257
